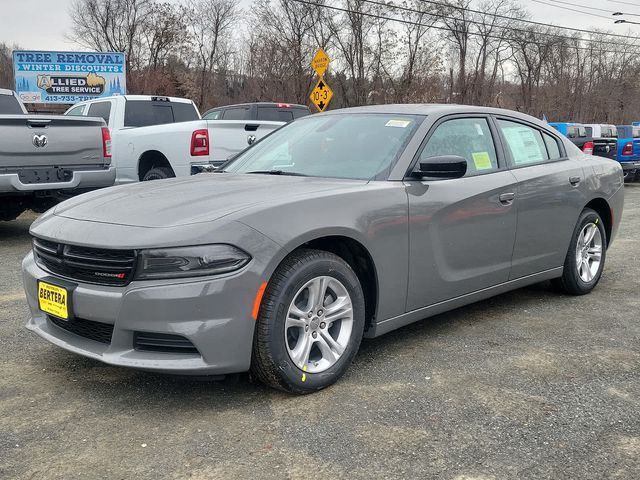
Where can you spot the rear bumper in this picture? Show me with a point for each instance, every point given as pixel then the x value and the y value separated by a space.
pixel 81 179
pixel 630 165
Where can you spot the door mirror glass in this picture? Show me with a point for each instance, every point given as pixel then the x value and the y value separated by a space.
pixel 445 166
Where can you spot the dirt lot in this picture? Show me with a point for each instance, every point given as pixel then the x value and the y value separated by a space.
pixel 530 384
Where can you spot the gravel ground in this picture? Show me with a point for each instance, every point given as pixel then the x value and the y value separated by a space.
pixel 530 384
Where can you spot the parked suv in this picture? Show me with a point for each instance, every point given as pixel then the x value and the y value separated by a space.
pixel 275 112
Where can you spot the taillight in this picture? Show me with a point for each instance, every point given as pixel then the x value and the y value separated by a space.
pixel 283 105
pixel 200 143
pixel 588 148
pixel 106 142
pixel 627 149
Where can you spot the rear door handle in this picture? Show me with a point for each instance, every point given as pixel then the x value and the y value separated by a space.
pixel 507 198
pixel 574 180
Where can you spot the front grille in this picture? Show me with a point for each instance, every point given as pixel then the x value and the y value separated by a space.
pixel 91 265
pixel 162 342
pixel 96 331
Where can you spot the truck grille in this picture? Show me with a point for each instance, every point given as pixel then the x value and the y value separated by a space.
pixel 96 331
pixel 91 265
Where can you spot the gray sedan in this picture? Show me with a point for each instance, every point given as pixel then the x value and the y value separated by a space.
pixel 337 226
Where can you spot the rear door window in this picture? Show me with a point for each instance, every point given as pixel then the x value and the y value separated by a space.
pixel 240 113
pixel 142 113
pixel 469 138
pixel 184 112
pixel 100 109
pixel 274 114
pixel 524 143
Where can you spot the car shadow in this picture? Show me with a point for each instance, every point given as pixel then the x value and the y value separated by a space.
pixel 90 377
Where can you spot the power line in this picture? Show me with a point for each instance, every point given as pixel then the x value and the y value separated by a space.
pixel 531 22
pixel 504 27
pixel 409 22
pixel 571 9
pixel 584 6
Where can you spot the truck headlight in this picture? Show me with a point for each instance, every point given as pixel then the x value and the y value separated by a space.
pixel 181 262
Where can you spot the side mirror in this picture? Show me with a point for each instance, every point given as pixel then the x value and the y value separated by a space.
pixel 445 166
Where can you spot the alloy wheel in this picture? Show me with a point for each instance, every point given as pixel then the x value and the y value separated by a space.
pixel 589 252
pixel 319 324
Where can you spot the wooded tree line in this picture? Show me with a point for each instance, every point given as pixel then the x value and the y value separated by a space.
pixel 459 51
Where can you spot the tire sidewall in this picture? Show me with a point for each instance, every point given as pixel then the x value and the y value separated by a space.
pixel 571 267
pixel 293 376
pixel 159 173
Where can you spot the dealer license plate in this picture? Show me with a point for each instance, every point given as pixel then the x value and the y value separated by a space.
pixel 53 300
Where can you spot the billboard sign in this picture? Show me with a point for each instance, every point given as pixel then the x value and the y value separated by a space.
pixel 68 77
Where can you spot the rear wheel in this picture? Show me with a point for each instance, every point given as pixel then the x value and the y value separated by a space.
pixel 158 173
pixel 585 259
pixel 310 323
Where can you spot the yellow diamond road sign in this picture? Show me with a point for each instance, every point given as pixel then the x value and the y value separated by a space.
pixel 321 95
pixel 320 62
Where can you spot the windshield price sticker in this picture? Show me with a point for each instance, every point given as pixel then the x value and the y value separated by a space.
pixel 481 160
pixel 398 123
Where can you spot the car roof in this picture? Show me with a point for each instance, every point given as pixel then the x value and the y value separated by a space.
pixel 436 109
pixel 268 104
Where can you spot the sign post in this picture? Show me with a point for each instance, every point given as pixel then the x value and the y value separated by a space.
pixel 321 94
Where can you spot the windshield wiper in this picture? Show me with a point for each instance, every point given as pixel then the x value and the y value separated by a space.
pixel 278 172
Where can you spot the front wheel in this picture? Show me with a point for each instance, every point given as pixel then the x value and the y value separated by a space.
pixel 310 323
pixel 584 262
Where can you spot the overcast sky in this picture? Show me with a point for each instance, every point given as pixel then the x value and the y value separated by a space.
pixel 42 25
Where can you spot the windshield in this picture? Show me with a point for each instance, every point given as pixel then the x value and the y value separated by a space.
pixel 352 146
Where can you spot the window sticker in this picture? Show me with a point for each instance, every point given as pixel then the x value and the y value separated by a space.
pixel 482 160
pixel 523 144
pixel 398 123
pixel 479 130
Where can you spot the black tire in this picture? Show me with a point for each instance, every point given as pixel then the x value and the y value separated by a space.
pixel 630 176
pixel 271 363
pixel 158 173
pixel 571 282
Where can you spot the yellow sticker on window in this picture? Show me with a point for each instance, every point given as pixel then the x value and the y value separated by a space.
pixel 482 160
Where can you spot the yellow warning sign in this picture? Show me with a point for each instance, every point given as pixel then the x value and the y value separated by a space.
pixel 321 95
pixel 320 62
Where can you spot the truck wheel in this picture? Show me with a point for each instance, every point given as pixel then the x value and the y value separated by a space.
pixel 585 259
pixel 310 323
pixel 629 176
pixel 10 209
pixel 158 173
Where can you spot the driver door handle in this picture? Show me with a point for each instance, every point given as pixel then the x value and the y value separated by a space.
pixel 507 198
pixel 574 180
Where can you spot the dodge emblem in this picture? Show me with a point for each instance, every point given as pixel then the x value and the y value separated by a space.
pixel 40 141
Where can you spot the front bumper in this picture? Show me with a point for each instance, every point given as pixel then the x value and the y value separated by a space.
pixel 90 179
pixel 214 314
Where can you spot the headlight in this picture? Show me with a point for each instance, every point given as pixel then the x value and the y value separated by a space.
pixel 183 262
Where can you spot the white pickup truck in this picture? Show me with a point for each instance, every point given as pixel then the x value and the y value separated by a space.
pixel 159 137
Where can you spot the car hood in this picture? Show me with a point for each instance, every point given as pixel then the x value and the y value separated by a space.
pixel 183 201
